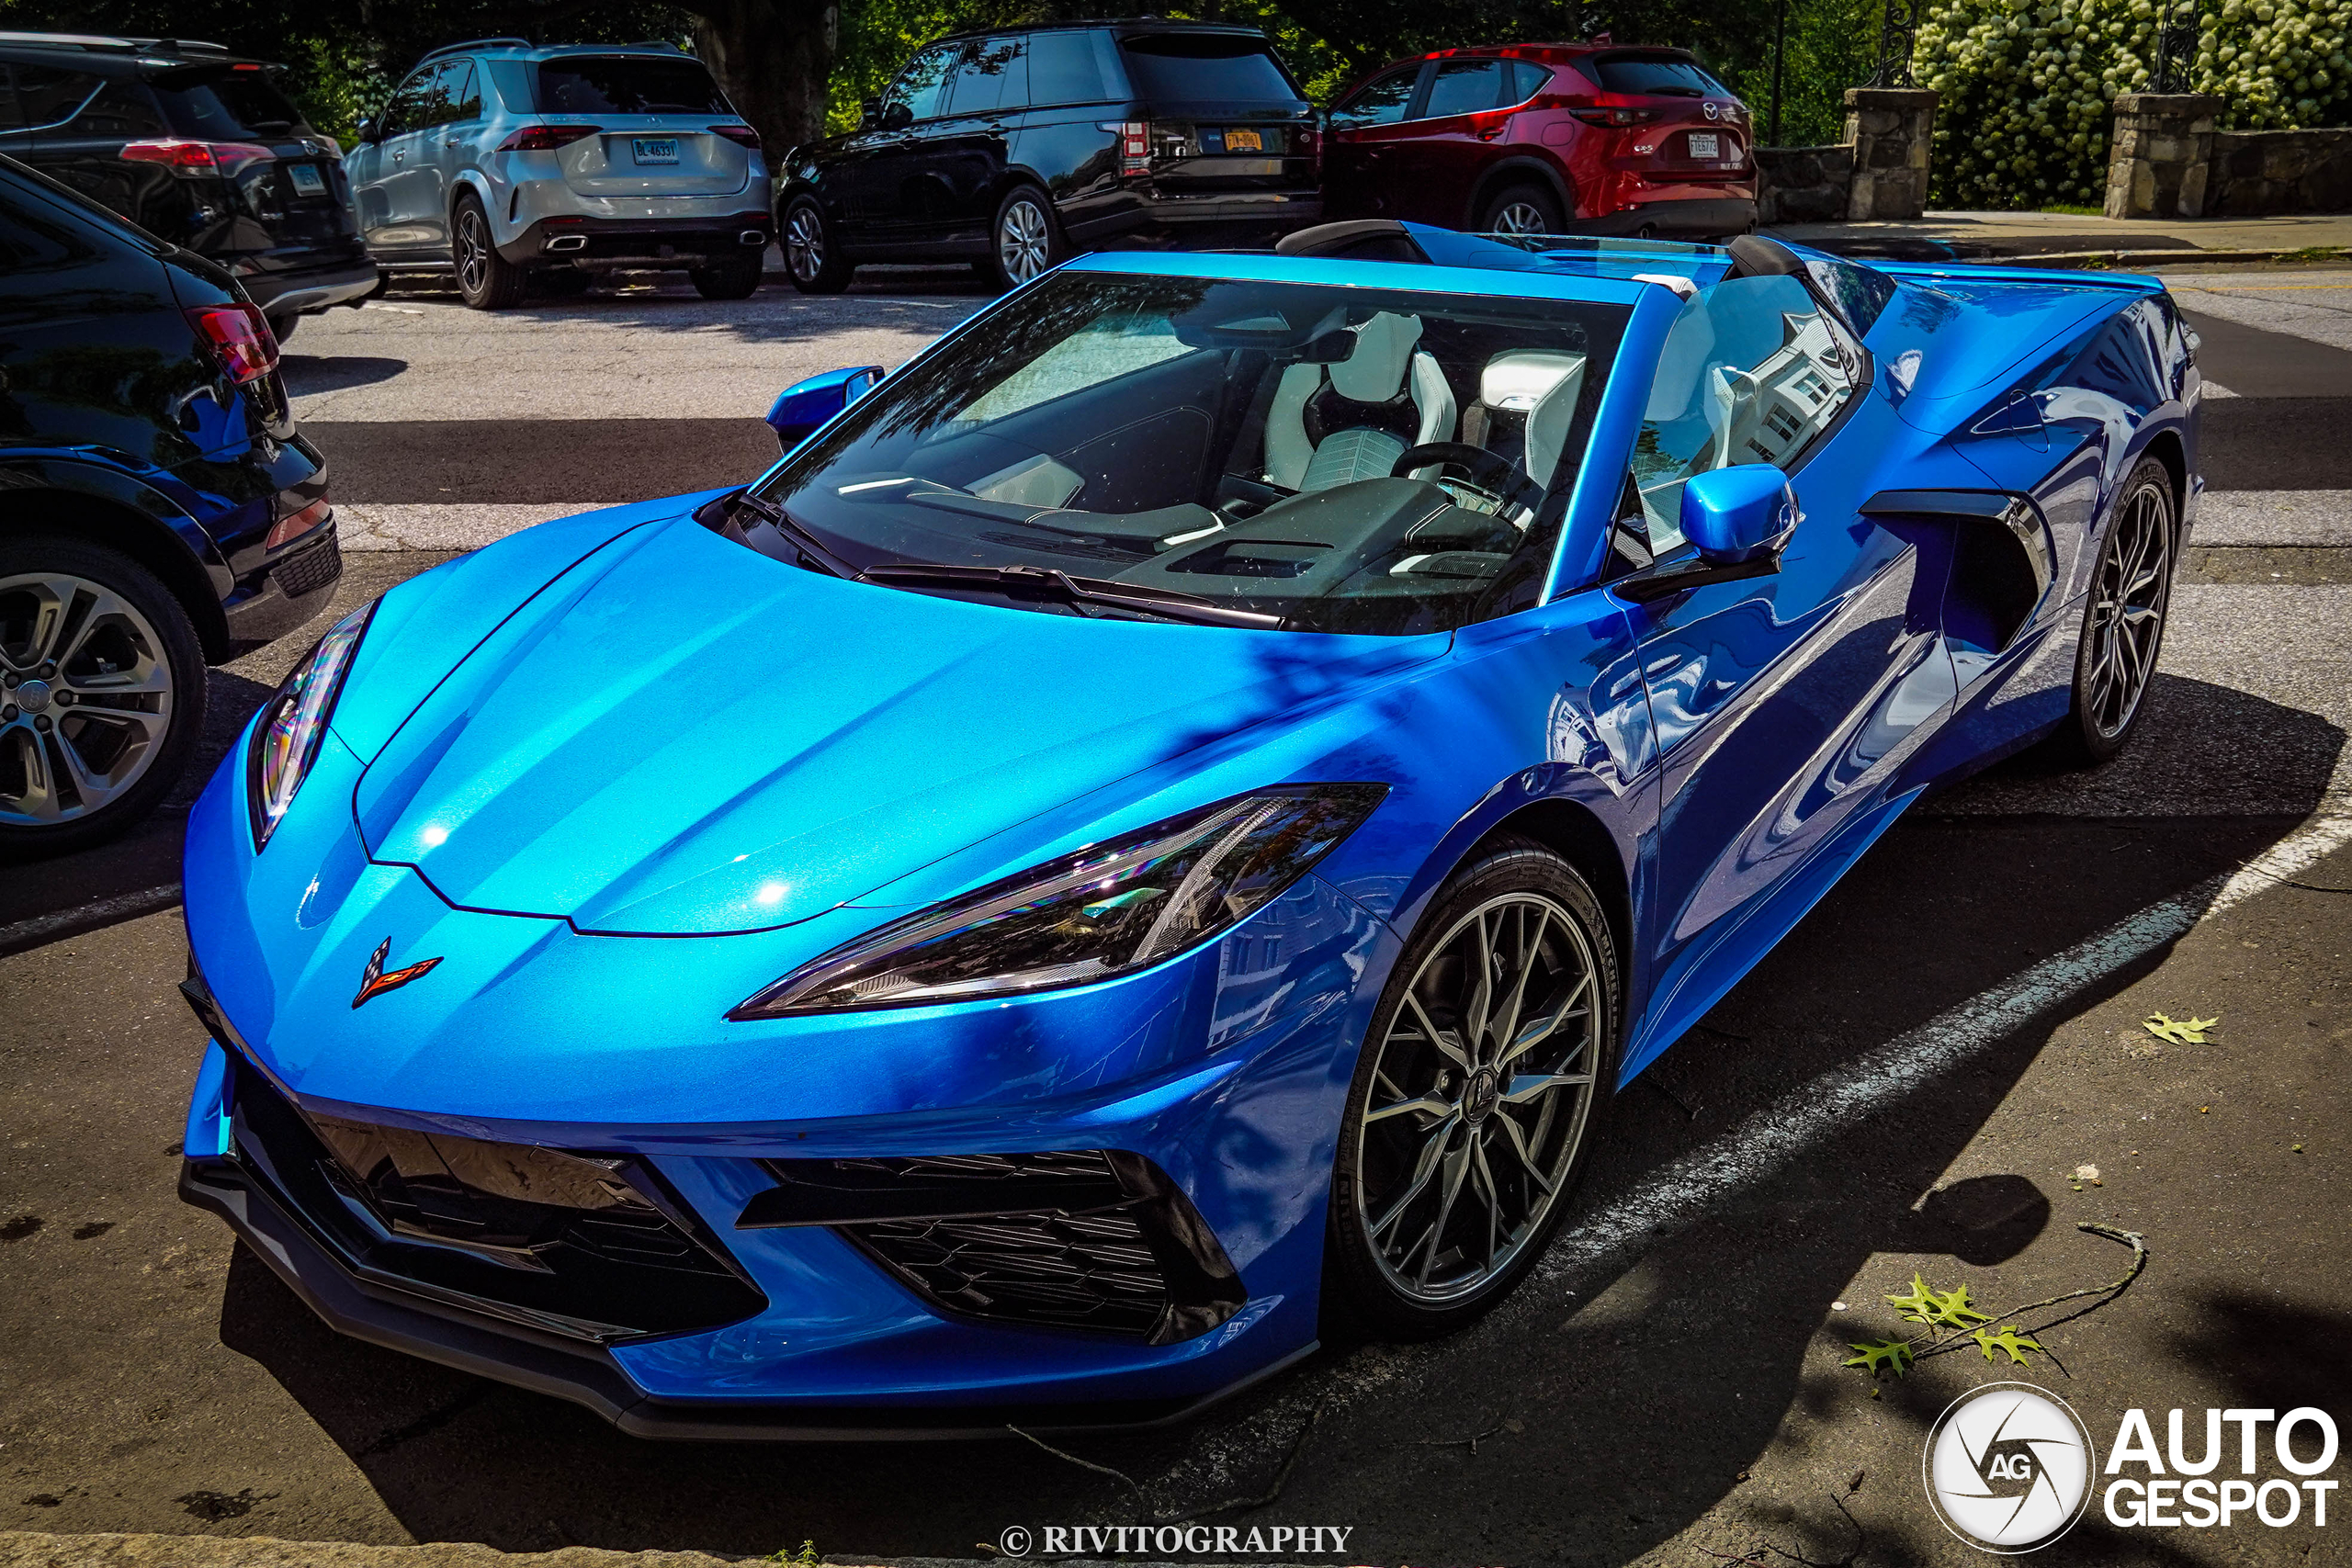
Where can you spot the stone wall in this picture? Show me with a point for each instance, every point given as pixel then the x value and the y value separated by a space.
pixel 2256 173
pixel 1802 185
pixel 2158 163
pixel 1892 131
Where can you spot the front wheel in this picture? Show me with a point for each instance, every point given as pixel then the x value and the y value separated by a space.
pixel 486 280
pixel 1477 1098
pixel 1024 241
pixel 812 251
pixel 732 277
pixel 2123 621
pixel 101 692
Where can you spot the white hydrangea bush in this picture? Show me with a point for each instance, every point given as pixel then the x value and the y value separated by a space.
pixel 2027 85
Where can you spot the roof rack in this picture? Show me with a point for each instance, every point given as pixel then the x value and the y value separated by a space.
pixel 122 45
pixel 476 43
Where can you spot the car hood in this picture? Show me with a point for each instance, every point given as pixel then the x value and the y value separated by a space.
pixel 682 737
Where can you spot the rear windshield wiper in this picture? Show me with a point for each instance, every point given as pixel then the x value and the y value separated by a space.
pixel 1035 580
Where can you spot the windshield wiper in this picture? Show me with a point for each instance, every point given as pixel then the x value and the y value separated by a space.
pixel 1031 579
pixel 807 543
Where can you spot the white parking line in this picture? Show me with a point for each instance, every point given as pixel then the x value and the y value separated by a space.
pixel 439 525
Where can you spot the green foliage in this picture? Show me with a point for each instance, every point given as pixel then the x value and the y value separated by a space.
pixel 2010 1340
pixel 1882 1355
pixel 1922 1304
pixel 804 1558
pixel 2027 85
pixel 1832 45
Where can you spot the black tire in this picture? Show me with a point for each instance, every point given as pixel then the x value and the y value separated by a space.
pixel 813 248
pixel 1521 210
pixel 562 282
pixel 281 327
pixel 730 277
pixel 139 655
pixel 486 280
pixel 1024 239
pixel 1384 1163
pixel 2115 657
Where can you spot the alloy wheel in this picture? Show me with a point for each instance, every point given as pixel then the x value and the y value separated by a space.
pixel 1521 218
pixel 1022 241
pixel 86 697
pixel 1480 1098
pixel 2128 611
pixel 804 243
pixel 473 253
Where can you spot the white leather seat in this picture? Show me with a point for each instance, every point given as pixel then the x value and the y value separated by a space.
pixel 1536 391
pixel 1376 371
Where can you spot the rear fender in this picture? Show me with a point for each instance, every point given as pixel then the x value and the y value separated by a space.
pixel 148 514
pixel 1521 168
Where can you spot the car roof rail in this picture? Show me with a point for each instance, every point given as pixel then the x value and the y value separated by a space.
pixel 476 43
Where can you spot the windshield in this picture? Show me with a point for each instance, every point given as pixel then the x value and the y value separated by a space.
pixel 1339 460
pixel 628 85
pixel 228 107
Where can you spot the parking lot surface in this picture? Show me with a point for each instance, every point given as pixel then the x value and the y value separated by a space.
pixel 1912 1083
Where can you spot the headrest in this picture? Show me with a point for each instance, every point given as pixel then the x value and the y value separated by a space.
pixel 1520 379
pixel 1375 371
pixel 1362 239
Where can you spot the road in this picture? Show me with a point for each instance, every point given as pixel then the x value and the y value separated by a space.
pixel 1906 1086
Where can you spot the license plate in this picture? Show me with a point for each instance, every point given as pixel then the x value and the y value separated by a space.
pixel 1706 144
pixel 1244 141
pixel 654 148
pixel 307 180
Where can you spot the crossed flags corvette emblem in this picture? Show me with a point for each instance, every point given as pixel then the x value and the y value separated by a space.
pixel 374 981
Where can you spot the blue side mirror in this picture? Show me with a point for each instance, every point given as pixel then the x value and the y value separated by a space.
pixel 800 408
pixel 1739 514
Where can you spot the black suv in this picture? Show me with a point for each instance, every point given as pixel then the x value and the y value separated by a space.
pixel 197 147
pixel 157 509
pixel 1017 146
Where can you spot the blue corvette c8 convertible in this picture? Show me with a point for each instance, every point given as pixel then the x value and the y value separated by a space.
pixel 1158 825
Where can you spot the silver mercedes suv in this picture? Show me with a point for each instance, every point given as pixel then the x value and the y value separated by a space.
pixel 514 164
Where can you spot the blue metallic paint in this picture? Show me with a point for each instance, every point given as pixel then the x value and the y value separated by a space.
pixel 604 889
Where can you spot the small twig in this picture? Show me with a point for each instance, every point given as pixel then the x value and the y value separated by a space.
pixel 2108 1293
pixel 1844 1562
pixel 2315 888
pixel 1755 1554
pixel 1282 1478
pixel 1081 1463
pixel 1471 1441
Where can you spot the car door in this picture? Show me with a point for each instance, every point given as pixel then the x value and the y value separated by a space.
pixel 380 173
pixel 892 193
pixel 1366 129
pixel 1781 704
pixel 457 90
pixel 967 151
pixel 1433 165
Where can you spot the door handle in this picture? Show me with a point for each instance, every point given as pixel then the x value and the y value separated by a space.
pixel 400 155
pixel 453 142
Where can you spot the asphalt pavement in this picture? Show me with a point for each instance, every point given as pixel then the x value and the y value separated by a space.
pixel 1912 1083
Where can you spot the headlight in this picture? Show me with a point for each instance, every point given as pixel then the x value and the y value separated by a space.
pixel 1106 910
pixel 293 722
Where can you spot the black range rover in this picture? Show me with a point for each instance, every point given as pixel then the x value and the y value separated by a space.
pixel 1015 147
pixel 197 147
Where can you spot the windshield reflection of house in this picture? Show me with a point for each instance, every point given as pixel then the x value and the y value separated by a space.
pixel 1765 414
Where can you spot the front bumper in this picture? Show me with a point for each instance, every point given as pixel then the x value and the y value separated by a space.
pixel 315 289
pixel 677 242
pixel 1142 219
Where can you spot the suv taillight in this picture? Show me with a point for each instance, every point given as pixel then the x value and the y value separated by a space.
pixel 240 339
pixel 194 157
pixel 1615 115
pixel 742 135
pixel 547 138
pixel 1134 147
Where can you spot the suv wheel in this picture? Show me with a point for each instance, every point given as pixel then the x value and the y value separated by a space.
pixel 730 277
pixel 486 280
pixel 1523 209
pixel 812 251
pixel 1023 241
pixel 101 692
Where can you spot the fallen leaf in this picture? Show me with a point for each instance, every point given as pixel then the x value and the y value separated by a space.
pixel 2008 1339
pixel 2086 1173
pixel 1884 1355
pixel 2299 1148
pixel 1924 1303
pixel 2180 1032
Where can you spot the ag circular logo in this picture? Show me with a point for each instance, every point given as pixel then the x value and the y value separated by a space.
pixel 2009 1467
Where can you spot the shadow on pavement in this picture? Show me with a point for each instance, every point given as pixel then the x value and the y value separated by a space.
pixel 1615 1405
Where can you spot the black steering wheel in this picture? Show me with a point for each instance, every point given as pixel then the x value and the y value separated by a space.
pixel 1491 475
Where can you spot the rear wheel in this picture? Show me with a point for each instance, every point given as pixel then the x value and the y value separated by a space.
pixel 101 692
pixel 812 251
pixel 1024 241
pixel 730 277
pixel 2123 621
pixel 1523 209
pixel 486 280
pixel 1477 1097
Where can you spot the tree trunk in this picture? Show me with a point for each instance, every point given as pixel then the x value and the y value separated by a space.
pixel 773 58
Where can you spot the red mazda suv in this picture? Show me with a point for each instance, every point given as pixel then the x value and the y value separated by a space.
pixel 1545 138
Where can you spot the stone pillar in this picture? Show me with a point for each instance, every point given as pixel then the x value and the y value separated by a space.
pixel 1890 130
pixel 2157 165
